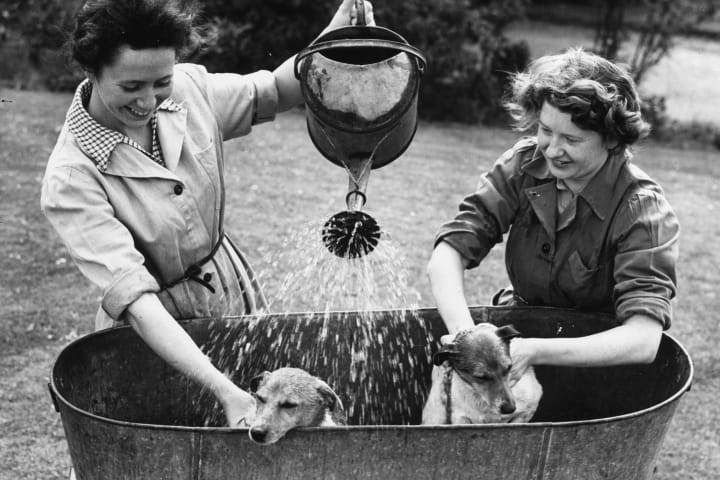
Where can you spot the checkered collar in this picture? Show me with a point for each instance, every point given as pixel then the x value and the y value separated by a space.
pixel 98 141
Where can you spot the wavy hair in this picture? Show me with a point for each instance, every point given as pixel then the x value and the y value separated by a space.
pixel 598 94
pixel 102 27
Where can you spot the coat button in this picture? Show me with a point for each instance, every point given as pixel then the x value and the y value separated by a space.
pixel 207 277
pixel 545 248
pixel 178 189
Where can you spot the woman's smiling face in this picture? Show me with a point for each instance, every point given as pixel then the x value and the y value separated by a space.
pixel 572 154
pixel 126 93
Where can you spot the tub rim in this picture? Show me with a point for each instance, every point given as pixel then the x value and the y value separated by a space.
pixel 56 395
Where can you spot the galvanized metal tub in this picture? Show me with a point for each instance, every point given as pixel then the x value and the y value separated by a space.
pixel 127 415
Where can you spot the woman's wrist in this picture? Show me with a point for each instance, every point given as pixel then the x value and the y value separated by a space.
pixel 529 349
pixel 458 325
pixel 534 350
pixel 222 387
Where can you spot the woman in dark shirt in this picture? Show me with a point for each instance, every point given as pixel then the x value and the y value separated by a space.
pixel 586 229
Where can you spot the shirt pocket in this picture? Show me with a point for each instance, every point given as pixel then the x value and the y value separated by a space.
pixel 588 285
pixel 207 165
pixel 203 149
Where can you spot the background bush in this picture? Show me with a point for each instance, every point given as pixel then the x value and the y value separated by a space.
pixel 468 56
pixel 31 48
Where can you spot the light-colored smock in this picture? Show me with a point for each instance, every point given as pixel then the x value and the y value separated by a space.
pixel 133 226
pixel 617 255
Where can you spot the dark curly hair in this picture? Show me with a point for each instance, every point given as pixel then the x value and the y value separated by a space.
pixel 103 26
pixel 598 94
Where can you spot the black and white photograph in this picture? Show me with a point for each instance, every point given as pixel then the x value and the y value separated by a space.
pixel 359 239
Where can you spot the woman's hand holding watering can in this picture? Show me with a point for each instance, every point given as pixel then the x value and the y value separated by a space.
pixel 289 95
pixel 347 14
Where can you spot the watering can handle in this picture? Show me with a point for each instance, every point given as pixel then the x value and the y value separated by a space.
pixel 360 13
pixel 350 43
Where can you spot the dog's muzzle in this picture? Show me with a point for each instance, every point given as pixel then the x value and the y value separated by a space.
pixel 258 435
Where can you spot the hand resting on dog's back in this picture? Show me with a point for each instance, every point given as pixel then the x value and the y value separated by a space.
pixel 471 384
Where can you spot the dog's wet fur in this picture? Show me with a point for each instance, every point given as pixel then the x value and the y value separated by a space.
pixel 289 398
pixel 470 380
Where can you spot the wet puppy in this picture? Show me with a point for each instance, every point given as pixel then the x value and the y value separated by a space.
pixel 470 381
pixel 288 398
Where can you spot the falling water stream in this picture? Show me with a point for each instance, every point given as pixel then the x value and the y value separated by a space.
pixel 319 281
pixel 354 319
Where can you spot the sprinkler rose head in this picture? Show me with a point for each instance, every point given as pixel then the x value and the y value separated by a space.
pixel 351 234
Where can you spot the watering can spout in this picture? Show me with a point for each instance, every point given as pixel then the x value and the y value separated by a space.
pixel 358 176
pixel 353 233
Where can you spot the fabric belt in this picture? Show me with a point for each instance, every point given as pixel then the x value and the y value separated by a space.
pixel 447 389
pixel 193 271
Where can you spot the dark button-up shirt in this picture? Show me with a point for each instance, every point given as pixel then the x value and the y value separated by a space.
pixel 616 255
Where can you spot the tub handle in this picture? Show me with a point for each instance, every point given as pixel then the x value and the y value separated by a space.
pixel 54 398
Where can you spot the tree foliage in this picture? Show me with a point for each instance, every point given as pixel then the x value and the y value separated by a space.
pixel 42 23
pixel 662 21
pixel 468 56
pixel 35 32
pixel 253 34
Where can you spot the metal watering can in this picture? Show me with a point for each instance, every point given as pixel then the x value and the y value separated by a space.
pixel 360 85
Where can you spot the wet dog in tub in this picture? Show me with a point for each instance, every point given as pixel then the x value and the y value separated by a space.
pixel 289 398
pixel 470 380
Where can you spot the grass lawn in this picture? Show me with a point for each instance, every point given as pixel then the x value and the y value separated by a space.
pixel 276 182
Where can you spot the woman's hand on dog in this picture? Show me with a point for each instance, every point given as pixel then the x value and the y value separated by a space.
pixel 239 409
pixel 521 353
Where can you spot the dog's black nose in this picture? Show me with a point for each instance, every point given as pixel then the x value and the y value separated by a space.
pixel 258 435
pixel 506 408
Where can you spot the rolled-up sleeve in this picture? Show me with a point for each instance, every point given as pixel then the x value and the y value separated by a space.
pixel 485 215
pixel 102 247
pixel 266 96
pixel 645 276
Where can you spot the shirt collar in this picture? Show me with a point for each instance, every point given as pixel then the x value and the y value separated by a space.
pixel 96 140
pixel 599 191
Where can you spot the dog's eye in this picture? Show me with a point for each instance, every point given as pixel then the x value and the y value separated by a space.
pixel 483 378
pixel 259 399
pixel 288 405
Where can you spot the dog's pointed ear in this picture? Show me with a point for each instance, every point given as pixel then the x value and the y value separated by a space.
pixel 257 380
pixel 506 332
pixel 331 399
pixel 446 352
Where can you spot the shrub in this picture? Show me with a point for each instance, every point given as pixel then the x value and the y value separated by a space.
pixel 672 132
pixel 654 111
pixel 468 57
pixel 35 33
pixel 255 34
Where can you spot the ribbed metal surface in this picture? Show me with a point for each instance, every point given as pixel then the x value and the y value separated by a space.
pixel 129 416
